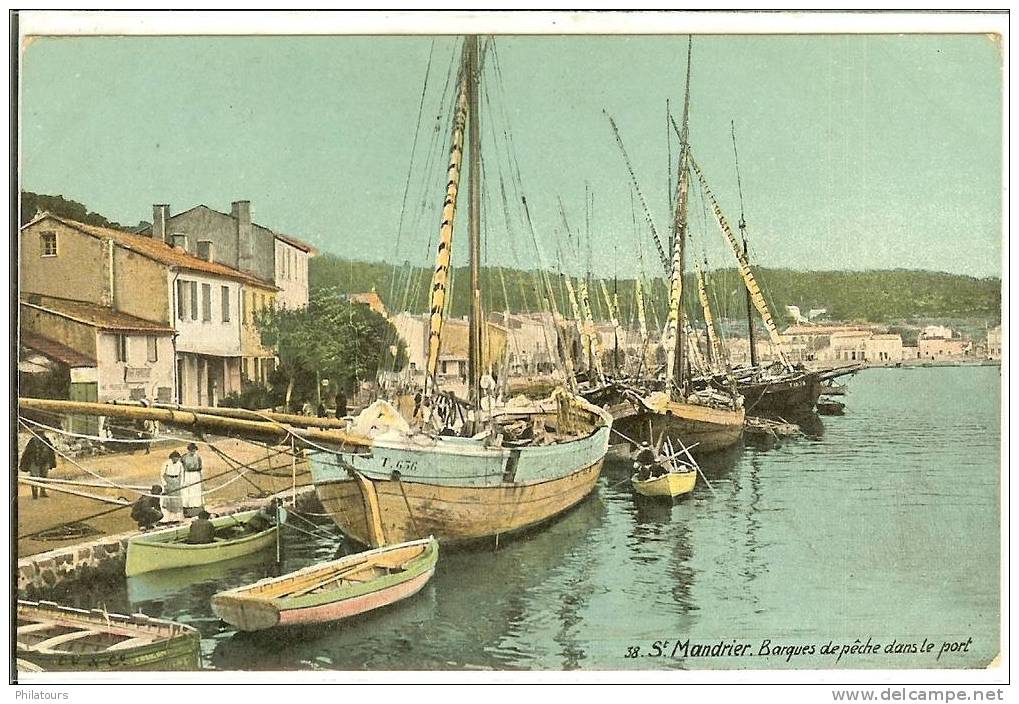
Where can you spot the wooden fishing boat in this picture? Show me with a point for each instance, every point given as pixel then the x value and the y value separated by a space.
pixel 60 638
pixel 168 548
pixel 670 484
pixel 489 472
pixel 670 476
pixel 331 591
pixel 705 427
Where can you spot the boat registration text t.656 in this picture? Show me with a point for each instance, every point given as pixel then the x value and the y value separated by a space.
pixel 401 465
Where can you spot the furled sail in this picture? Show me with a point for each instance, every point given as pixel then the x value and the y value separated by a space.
pixel 593 339
pixel 714 342
pixel 443 258
pixel 744 267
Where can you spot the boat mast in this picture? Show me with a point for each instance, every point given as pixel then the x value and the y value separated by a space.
pixel 443 257
pixel 474 226
pixel 744 267
pixel 675 358
pixel 751 336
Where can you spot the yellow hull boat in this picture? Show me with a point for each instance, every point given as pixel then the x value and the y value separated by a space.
pixel 670 484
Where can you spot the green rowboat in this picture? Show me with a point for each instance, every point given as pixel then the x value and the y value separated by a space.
pixel 168 549
pixel 61 639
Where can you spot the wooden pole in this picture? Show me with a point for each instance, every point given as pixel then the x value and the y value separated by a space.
pixel 197 421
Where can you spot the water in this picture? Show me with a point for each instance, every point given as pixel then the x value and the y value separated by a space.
pixel 885 526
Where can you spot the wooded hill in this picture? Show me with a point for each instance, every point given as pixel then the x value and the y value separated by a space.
pixel 873 296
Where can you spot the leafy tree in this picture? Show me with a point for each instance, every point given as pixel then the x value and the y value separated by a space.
pixel 331 338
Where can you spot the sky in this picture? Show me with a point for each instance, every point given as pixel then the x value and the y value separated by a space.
pixel 855 152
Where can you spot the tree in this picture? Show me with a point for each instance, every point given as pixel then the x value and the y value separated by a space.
pixel 331 338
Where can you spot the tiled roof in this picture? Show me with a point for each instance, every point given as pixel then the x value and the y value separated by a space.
pixel 56 351
pixel 99 317
pixel 294 242
pixel 159 251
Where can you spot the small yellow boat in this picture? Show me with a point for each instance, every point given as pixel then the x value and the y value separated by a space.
pixel 672 475
pixel 669 484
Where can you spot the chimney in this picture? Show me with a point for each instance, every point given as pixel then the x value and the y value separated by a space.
pixel 241 212
pixel 160 213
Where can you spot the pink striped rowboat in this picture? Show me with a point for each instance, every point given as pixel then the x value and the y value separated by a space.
pixel 333 590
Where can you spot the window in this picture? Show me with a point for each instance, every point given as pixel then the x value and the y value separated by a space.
pixel 194 300
pixel 48 240
pixel 180 299
pixel 206 303
pixel 225 290
pixel 152 345
pixel 121 344
pixel 205 250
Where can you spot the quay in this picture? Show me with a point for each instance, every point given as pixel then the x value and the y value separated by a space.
pixel 104 557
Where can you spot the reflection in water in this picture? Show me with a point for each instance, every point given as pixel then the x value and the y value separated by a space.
pixel 808 542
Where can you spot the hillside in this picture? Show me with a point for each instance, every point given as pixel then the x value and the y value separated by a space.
pixel 875 296
pixel 891 295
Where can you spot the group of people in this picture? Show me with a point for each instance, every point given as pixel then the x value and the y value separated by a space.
pixel 180 494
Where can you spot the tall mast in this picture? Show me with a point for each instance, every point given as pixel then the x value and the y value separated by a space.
pixel 474 225
pixel 675 357
pixel 751 336
pixel 744 268
pixel 443 256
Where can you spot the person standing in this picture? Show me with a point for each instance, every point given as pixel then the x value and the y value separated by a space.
pixel 341 405
pixel 37 460
pixel 173 479
pixel 191 488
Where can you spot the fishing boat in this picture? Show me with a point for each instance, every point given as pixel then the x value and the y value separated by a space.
pixel 331 591
pixel 463 472
pixel 169 548
pixel 670 476
pixel 710 417
pixel 60 638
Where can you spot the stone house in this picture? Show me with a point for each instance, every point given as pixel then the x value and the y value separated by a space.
pixel 453 349
pixel 883 348
pixel 235 241
pixel 197 302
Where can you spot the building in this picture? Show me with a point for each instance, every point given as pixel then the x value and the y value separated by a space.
pixel 933 348
pixel 453 350
pixel 937 331
pixel 235 241
pixel 105 277
pixel 370 299
pixel 108 355
pixel 883 348
pixel 994 343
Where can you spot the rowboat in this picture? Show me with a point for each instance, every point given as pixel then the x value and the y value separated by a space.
pixel 168 549
pixel 668 484
pixel 673 475
pixel 60 638
pixel 333 590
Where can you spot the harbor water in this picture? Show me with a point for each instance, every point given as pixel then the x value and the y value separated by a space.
pixel 874 543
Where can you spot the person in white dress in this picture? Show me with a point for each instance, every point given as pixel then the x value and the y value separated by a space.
pixel 173 478
pixel 191 489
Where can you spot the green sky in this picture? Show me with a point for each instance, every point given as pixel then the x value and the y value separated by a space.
pixel 856 151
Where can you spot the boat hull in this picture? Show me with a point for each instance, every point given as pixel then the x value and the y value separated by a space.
pixel 789 396
pixel 453 514
pixel 61 639
pixel 672 484
pixel 701 428
pixel 318 594
pixel 151 552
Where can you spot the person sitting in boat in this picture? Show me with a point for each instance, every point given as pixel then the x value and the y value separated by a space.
pixel 264 519
pixel 644 462
pixel 201 531
pixel 146 511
